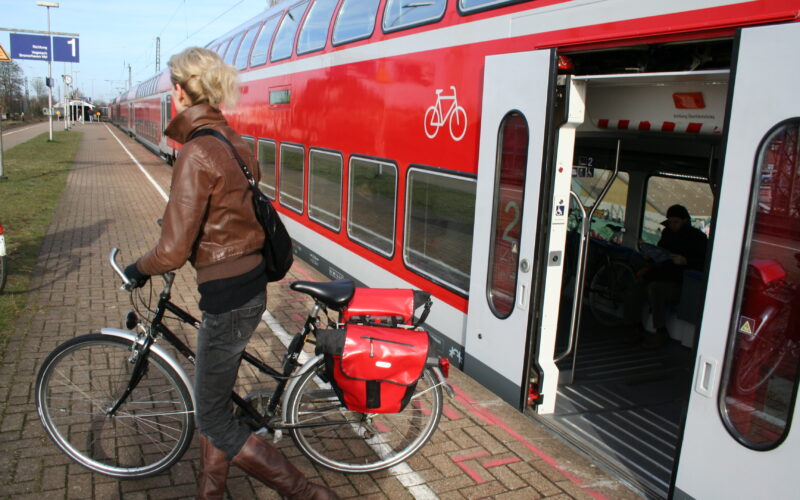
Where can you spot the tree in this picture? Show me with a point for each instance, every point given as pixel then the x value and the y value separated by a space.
pixel 39 98
pixel 12 88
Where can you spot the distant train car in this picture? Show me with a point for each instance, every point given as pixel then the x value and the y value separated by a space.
pixel 513 158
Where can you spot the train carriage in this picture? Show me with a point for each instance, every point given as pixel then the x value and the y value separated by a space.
pixel 515 158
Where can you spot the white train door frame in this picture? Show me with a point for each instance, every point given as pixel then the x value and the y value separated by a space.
pixel 515 107
pixel 713 463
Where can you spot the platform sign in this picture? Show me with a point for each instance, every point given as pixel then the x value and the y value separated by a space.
pixel 32 47
pixel 66 49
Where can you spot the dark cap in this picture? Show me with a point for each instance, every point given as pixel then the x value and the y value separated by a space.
pixel 677 211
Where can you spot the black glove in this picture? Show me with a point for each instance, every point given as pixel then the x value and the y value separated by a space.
pixel 137 279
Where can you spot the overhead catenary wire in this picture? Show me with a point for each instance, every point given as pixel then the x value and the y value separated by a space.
pixel 145 71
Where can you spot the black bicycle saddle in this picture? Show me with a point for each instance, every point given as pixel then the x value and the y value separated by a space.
pixel 334 294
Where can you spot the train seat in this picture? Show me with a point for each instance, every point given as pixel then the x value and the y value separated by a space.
pixel 683 317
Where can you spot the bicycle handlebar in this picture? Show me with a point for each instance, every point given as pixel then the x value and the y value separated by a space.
pixel 112 258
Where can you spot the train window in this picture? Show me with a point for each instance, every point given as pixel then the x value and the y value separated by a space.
pixel 356 20
pixel 225 46
pixel 325 188
pixel 244 49
pixel 588 182
pixel 469 6
pixel 507 213
pixel 291 175
pixel 250 142
pixel 314 33
pixel 761 364
pixel 440 212
pixel 284 39
pixel 230 56
pixel 266 163
pixel 371 204
pixel 259 55
pixel 399 14
pixel 662 192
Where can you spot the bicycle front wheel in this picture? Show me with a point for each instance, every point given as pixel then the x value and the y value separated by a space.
pixel 83 378
pixel 347 441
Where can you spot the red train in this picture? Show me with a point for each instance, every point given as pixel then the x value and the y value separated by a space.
pixel 502 153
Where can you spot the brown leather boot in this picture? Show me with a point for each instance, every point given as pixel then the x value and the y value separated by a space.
pixel 213 471
pixel 259 459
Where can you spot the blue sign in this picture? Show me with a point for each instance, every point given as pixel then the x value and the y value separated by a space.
pixel 66 49
pixel 33 47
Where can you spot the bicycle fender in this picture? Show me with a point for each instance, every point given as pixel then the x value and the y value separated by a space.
pixel 130 336
pixel 295 377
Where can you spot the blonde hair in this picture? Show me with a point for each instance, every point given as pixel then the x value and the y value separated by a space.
pixel 204 77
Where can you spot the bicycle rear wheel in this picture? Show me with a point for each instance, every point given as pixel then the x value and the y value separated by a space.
pixel 348 441
pixel 83 378
pixel 608 291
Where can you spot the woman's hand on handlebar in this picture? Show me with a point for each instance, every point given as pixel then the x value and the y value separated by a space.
pixel 136 278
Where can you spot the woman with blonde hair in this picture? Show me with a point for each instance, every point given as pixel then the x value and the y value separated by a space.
pixel 209 221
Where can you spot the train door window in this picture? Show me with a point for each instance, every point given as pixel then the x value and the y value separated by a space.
pixel 314 33
pixel 266 164
pixel 261 47
pixel 470 6
pixel 284 39
pixel 761 364
pixel 325 188
pixel 440 214
pixel 509 187
pixel 356 20
pixel 169 108
pixel 662 192
pixel 371 207
pixel 244 50
pixel 400 14
pixel 292 176
pixel 230 56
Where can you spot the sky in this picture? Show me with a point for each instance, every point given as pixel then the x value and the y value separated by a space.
pixel 116 33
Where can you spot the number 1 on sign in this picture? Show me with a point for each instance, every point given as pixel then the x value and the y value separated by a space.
pixel 72 43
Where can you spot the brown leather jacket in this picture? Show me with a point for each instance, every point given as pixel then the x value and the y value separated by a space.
pixel 209 218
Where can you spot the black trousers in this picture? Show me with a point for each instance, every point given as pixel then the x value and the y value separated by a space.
pixel 222 339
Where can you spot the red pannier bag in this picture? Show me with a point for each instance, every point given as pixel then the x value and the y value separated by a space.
pixel 373 369
pixel 385 306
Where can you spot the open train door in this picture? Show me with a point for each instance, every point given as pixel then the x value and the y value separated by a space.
pixel 516 91
pixel 741 438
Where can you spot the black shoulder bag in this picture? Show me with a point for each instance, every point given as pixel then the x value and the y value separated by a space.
pixel 277 249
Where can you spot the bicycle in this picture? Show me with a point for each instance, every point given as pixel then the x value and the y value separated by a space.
pixel 613 281
pixel 119 404
pixel 456 115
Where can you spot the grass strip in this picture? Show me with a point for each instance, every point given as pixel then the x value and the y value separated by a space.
pixel 36 173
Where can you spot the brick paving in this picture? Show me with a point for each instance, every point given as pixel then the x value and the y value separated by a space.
pixel 483 448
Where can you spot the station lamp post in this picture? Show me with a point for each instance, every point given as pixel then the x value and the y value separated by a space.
pixel 49 66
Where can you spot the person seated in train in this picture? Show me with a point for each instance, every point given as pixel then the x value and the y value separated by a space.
pixel 209 221
pixel 660 281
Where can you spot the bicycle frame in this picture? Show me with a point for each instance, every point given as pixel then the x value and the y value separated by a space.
pixel 453 104
pixel 146 343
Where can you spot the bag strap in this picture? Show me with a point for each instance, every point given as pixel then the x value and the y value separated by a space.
pixel 242 165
